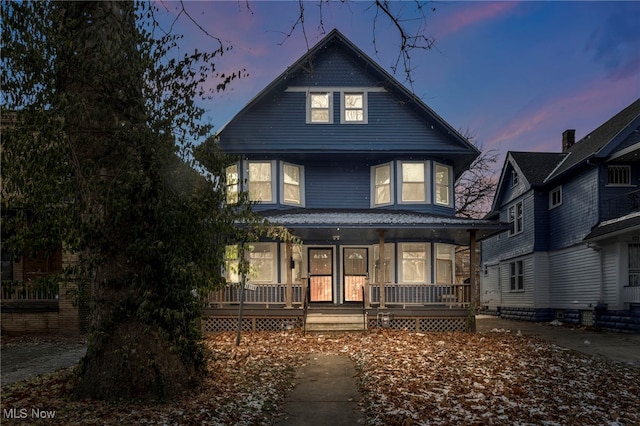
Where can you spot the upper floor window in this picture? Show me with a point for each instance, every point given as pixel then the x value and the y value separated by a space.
pixel 292 188
pixel 516 275
pixel 260 181
pixel 413 185
pixel 514 178
pixel 516 218
pixel 382 187
pixel 619 175
pixel 353 108
pixel 233 179
pixel 319 107
pixel 555 197
pixel 443 185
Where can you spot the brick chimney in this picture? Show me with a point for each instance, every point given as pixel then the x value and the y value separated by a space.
pixel 568 139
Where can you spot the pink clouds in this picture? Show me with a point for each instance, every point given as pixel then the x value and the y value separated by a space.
pixel 538 126
pixel 474 14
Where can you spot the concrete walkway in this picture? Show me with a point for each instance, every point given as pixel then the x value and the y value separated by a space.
pixel 24 361
pixel 606 345
pixel 325 393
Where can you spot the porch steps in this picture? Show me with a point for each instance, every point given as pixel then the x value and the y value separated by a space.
pixel 320 322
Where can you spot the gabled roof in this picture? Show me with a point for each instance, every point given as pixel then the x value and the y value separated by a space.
pixel 465 150
pixel 536 166
pixel 602 140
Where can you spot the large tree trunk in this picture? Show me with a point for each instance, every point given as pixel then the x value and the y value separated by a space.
pixel 132 350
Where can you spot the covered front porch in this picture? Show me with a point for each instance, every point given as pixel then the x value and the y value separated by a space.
pixel 361 269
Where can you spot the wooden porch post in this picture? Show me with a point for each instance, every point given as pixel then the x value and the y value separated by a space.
pixel 289 290
pixel 473 262
pixel 382 267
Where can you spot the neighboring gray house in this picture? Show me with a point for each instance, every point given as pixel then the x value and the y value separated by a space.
pixel 573 251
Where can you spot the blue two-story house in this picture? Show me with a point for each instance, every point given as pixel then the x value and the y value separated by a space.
pixel 573 250
pixel 362 172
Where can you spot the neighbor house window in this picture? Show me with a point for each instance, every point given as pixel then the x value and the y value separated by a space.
pixel 231 264
pixel 260 181
pixel 516 218
pixel 517 276
pixel 381 185
pixel 413 184
pixel 444 263
pixel 443 184
pixel 262 262
pixel 319 107
pixel 233 180
pixel 555 197
pixel 514 178
pixel 634 265
pixel 292 181
pixel 619 175
pixel 415 262
pixel 354 108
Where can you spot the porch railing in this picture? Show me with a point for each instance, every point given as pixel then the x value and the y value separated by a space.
pixel 458 295
pixel 451 295
pixel 631 294
pixel 29 290
pixel 260 294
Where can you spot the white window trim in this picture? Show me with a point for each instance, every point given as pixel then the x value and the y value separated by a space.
pixel 273 249
pixel 513 231
pixel 308 102
pixel 515 286
pixel 427 184
pixel 372 179
pixel 450 185
pixel 365 109
pixel 452 260
pixel 515 178
pixel 428 263
pixel 558 190
pixel 237 184
pixel 302 180
pixel 273 179
pixel 390 255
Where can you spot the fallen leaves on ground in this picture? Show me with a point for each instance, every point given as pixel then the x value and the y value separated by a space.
pixel 405 379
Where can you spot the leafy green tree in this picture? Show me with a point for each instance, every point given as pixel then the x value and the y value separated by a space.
pixel 97 153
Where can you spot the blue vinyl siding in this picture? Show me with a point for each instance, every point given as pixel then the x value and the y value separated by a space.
pixel 343 183
pixel 337 184
pixel 573 220
pixel 278 124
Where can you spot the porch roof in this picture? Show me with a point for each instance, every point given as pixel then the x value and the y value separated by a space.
pixel 614 227
pixel 362 225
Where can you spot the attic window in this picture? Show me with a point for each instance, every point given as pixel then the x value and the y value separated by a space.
pixel 319 107
pixel 514 178
pixel 353 108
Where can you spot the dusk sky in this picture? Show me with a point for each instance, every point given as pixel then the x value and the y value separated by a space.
pixel 513 74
